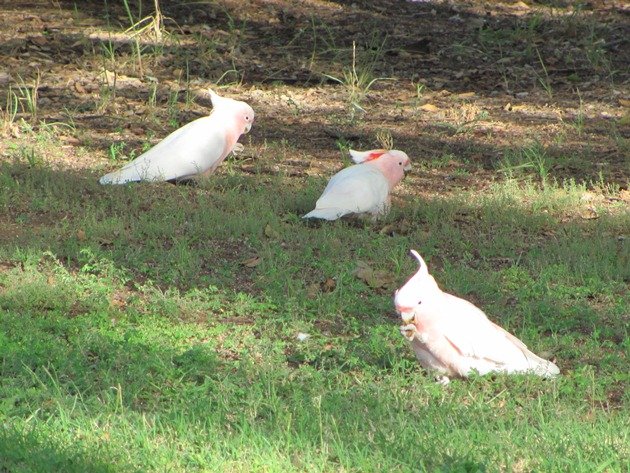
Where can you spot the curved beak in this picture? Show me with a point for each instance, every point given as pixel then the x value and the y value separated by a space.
pixel 407 166
pixel 248 126
pixel 407 314
pixel 407 317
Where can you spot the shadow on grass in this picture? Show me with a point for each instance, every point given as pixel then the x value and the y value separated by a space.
pixel 144 225
pixel 188 238
pixel 29 451
pixel 80 359
pixel 95 389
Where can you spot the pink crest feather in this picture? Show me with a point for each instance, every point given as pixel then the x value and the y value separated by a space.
pixel 374 155
pixel 364 156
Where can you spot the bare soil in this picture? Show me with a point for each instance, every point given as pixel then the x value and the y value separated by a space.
pixel 461 84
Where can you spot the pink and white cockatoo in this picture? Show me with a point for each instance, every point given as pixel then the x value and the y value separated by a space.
pixel 454 338
pixel 363 187
pixel 194 149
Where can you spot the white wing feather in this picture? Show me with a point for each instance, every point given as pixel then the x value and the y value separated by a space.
pixel 485 346
pixel 356 189
pixel 189 150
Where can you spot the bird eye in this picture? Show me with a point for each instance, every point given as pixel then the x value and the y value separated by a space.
pixel 419 302
pixel 247 117
pixel 400 163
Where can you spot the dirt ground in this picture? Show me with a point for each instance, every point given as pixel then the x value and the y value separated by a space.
pixel 460 85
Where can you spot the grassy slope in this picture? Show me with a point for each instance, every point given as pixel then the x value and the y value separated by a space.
pixel 133 340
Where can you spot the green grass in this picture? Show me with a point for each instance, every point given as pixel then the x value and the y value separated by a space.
pixel 133 339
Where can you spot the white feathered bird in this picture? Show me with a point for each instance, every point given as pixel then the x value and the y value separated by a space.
pixel 364 187
pixel 194 149
pixel 454 338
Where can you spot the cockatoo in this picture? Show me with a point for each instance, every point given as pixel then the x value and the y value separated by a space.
pixel 196 148
pixel 363 187
pixel 454 338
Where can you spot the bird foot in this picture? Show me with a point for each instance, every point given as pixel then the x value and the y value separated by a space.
pixel 409 331
pixel 238 148
pixel 443 380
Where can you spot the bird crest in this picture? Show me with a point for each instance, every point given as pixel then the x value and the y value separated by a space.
pixel 217 100
pixel 417 288
pixel 365 156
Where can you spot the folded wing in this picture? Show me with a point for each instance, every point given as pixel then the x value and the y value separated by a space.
pixel 357 189
pixel 484 346
pixel 190 150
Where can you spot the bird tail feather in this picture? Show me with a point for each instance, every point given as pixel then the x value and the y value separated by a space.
pixel 539 366
pixel 326 214
pixel 542 367
pixel 536 364
pixel 121 176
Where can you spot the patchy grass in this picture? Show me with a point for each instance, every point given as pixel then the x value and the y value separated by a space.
pixel 134 337
pixel 154 327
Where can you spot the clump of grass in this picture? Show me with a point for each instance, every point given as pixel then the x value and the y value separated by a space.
pixel 153 23
pixel 544 79
pixel 116 151
pixel 107 91
pixel 27 154
pixel 531 159
pixel 28 94
pixel 152 97
pixel 358 79
pixel 10 111
pixel 384 139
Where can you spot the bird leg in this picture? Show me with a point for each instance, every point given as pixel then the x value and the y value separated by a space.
pixel 238 148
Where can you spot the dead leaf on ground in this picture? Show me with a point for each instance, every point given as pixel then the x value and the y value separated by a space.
pixel 271 232
pixel 312 290
pixel 519 6
pixel 375 279
pixel 81 235
pixel 429 107
pixel 329 285
pixel 119 300
pixel 71 140
pixel 590 214
pixel 39 40
pixel 252 262
pixel 465 95
pixel 79 88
